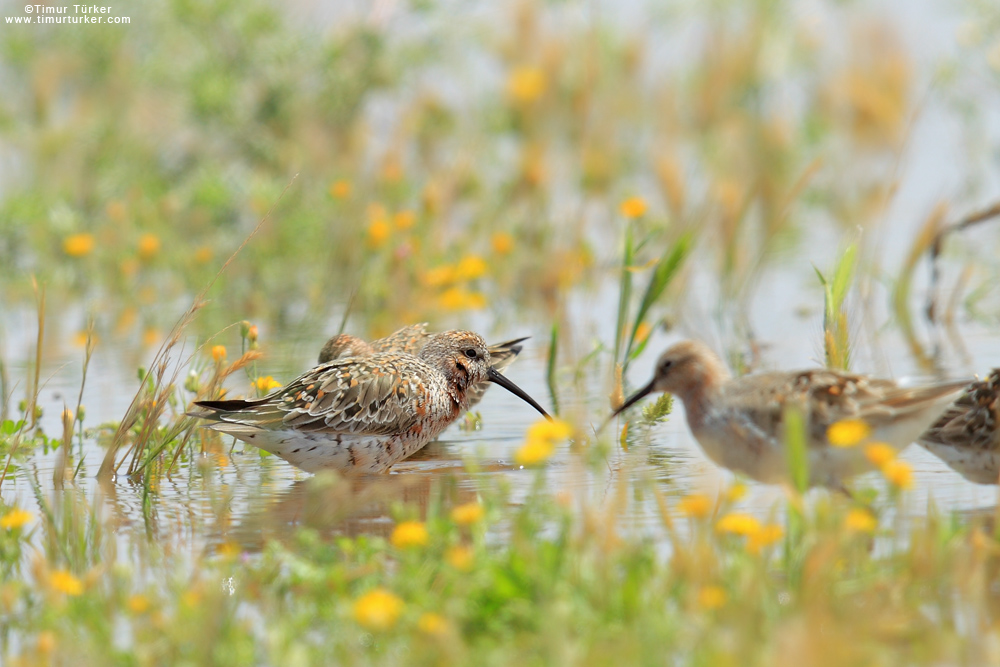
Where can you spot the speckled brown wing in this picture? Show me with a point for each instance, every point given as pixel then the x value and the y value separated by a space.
pixel 410 339
pixel 829 396
pixel 973 421
pixel 344 345
pixel 383 394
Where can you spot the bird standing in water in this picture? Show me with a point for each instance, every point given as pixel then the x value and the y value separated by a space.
pixel 739 423
pixel 967 435
pixel 411 340
pixel 363 414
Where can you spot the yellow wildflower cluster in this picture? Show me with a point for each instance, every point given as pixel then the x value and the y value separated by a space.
pixel 860 521
pixel 502 243
pixel 64 582
pixel 744 525
pixel 711 597
pixel 432 624
pixel 203 255
pixel 378 226
pixel 340 189
pixel 451 278
pixel 696 506
pixel 468 268
pixel 378 609
pixel 467 514
pixel 381 224
pixel 526 84
pixel 219 353
pixel 541 441
pixel 633 207
pixel 79 245
pixel 459 298
pixel 848 432
pixel 16 518
pixel 149 246
pixel 138 604
pixel 409 534
pixel 266 384
pixel 461 557
pixel 855 432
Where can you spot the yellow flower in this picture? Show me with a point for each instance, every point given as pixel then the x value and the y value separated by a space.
pixel 456 298
pixel 502 243
pixel 378 609
pixel 642 332
pixel 439 276
pixel 899 473
pixel 736 492
pixel 534 452
pixel 150 337
pixel 378 232
pixel 711 597
pixel 138 604
pixel 81 338
pixel 340 189
pixel 218 352
pixel 203 255
pixel 46 641
pixel 696 506
pixel 765 537
pixel 432 624
pixel 78 245
pixel 848 432
pixel 544 429
pixel 16 518
pixel 64 582
pixel 471 267
pixel 149 246
pixel 526 84
pixel 879 453
pixel 229 549
pixel 409 534
pixel 738 524
pixel 266 384
pixel 860 521
pixel 404 220
pixel 460 557
pixel 633 207
pixel 475 300
pixel 467 514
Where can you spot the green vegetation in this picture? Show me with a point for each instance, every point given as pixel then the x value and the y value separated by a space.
pixel 185 192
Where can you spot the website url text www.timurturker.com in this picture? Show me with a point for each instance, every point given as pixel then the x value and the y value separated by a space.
pixel 46 14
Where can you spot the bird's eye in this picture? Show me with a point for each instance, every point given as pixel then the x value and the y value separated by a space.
pixel 665 366
pixel 471 353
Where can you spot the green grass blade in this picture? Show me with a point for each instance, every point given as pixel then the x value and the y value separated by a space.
pixel 663 275
pixel 550 370
pixel 625 290
pixel 796 448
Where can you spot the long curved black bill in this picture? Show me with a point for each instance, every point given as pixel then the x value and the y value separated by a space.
pixel 635 398
pixel 632 400
pixel 500 379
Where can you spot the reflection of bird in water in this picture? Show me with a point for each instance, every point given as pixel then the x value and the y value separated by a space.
pixel 740 422
pixel 351 506
pixel 411 340
pixel 967 435
pixel 363 414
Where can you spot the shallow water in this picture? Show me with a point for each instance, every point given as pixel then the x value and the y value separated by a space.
pixel 244 497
